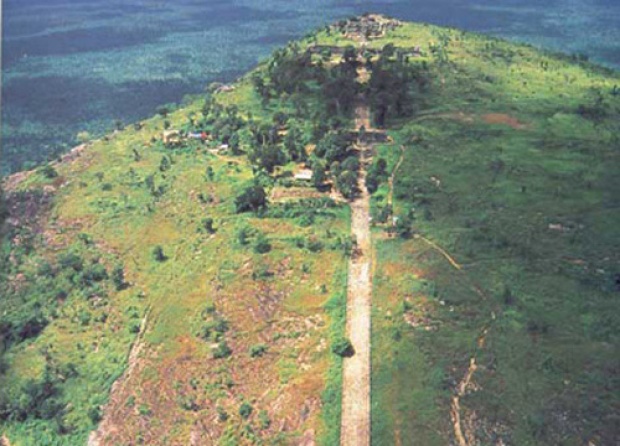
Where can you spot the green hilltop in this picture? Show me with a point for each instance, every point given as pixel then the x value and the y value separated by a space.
pixel 184 279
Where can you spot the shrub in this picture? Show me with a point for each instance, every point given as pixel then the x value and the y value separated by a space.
pixel 46 270
pixel 261 272
pixel 84 317
pixel 306 220
pixel 258 350
pixel 213 329
pixel 343 347
pixel 314 245
pixel 263 420
pixel 49 172
pixel 71 260
pixel 245 410
pixel 222 415
pixel 222 351
pixel 94 273
pixel 94 413
pixel 262 245
pixel 144 410
pixel 242 235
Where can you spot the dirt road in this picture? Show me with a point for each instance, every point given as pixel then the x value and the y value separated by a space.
pixel 355 429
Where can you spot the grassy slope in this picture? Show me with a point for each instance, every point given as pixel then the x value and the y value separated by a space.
pixel 547 367
pixel 286 312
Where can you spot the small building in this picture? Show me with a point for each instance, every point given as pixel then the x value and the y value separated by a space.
pixel 171 137
pixel 225 88
pixel 202 136
pixel 304 175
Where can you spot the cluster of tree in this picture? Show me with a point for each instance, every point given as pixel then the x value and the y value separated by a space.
pixel 289 71
pixel 37 399
pixel 51 283
pixel 596 108
pixel 292 73
pixel 396 88
pixel 252 199
pixel 339 87
pixel 333 158
pixel 376 175
pixel 222 122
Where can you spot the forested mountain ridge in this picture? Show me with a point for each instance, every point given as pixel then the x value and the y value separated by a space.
pixel 183 280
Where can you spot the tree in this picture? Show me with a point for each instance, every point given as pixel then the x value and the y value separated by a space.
pixel 318 174
pixel 268 157
pixel 403 226
pixel 347 183
pixel 395 88
pixel 118 277
pixel 158 254
pixel 350 55
pixel 164 164
pixel 381 166
pixel 260 87
pixel 252 199
pixel 293 144
pixel 388 50
pixel 209 173
pixel 233 143
pixel 372 181
pixel 245 410
pixel 163 110
pixel 207 225
pixel 83 137
pixel 332 147
pixel 4 208
pixel 352 163
pixel 280 118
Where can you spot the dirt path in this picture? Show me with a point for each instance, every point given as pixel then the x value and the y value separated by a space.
pixel 106 425
pixel 355 428
pixel 390 198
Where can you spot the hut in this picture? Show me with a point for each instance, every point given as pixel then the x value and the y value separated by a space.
pixel 171 137
pixel 304 175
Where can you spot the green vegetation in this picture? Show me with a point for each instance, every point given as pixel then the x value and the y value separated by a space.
pixel 174 249
pixel 508 169
pixel 212 278
pixel 342 347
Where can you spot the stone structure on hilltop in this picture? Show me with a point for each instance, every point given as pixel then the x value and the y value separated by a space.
pixel 368 26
